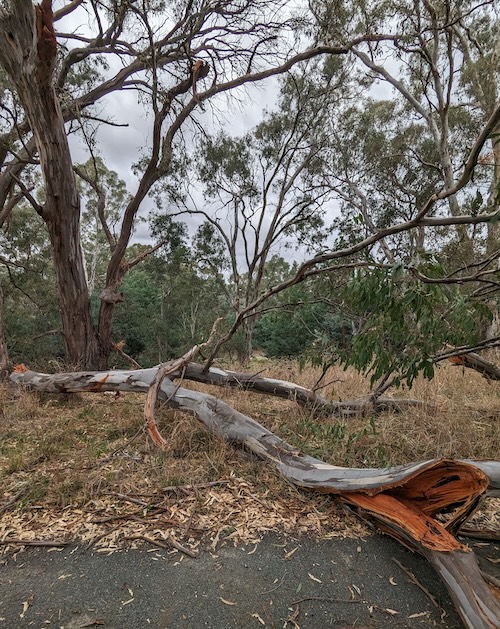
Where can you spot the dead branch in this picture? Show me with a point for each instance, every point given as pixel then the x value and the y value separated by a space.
pixel 118 348
pixel 290 391
pixel 8 505
pixel 473 361
pixel 162 372
pixel 33 542
pixel 167 543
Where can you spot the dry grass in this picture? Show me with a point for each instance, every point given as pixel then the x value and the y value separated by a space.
pixel 74 462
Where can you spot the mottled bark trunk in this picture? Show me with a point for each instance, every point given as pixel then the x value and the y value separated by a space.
pixel 307 398
pixel 493 240
pixel 28 53
pixel 248 330
pixel 106 312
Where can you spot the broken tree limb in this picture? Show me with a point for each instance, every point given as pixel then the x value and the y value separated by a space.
pixel 403 501
pixel 492 471
pixel 290 391
pixel 473 361
pixel 162 371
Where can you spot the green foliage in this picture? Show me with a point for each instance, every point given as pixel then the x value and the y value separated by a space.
pixel 227 161
pixel 282 333
pixel 404 322
pixel 171 301
pixel 31 316
pixel 330 441
pixel 301 326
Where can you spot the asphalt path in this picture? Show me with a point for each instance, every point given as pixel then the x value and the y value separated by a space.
pixel 280 583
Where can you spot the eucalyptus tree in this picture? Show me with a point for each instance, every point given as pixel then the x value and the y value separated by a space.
pixel 103 197
pixel 173 57
pixel 260 191
pixel 370 167
pixel 176 58
pixel 425 93
pixel 441 62
pixel 32 327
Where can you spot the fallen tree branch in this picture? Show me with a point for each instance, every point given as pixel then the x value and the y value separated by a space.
pixel 167 543
pixel 290 391
pixel 33 542
pixel 402 501
pixel 473 361
pixel 8 505
pixel 450 351
pixel 164 370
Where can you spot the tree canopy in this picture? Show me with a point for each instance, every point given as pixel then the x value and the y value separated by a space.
pixel 376 168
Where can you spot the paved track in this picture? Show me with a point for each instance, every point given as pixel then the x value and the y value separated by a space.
pixel 338 583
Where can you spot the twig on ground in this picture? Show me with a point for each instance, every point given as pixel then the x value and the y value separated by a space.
pixel 126 498
pixel 121 516
pixel 93 542
pixel 193 487
pixel 8 505
pixel 487 534
pixel 125 445
pixel 414 580
pixel 169 542
pixel 327 599
pixel 33 542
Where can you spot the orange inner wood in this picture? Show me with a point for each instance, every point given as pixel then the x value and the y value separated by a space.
pixel 443 487
pixel 417 525
pixel 446 486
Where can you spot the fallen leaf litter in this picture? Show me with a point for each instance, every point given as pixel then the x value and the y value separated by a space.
pixel 210 515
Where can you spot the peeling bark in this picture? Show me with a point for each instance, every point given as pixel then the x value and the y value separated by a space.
pixel 402 501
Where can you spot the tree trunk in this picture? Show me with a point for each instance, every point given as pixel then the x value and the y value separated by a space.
pixel 28 52
pixel 493 160
pixel 401 500
pixel 248 331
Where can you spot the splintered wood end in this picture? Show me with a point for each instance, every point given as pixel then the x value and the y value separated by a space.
pixel 406 519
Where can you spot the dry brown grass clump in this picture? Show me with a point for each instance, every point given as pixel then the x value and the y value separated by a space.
pixel 83 467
